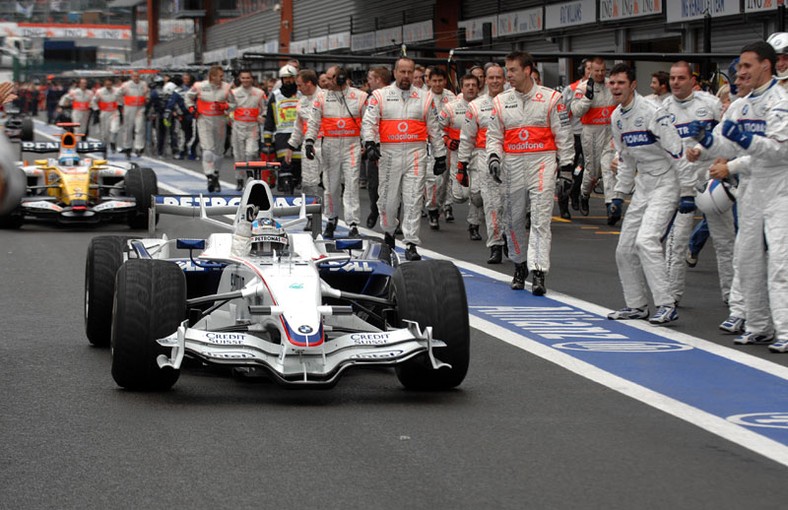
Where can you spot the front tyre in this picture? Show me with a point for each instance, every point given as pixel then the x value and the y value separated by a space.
pixel 105 256
pixel 141 183
pixel 432 293
pixel 150 303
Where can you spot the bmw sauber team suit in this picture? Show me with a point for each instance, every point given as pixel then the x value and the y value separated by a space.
pixel 762 204
pixel 338 115
pixel 650 155
pixel 134 97
pixel 707 109
pixel 405 122
pixel 210 104
pixel 529 132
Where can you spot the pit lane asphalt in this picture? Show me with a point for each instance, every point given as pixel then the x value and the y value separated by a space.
pixel 519 433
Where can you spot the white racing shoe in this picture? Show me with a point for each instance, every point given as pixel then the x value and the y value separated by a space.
pixel 664 314
pixel 627 314
pixel 749 338
pixel 733 324
pixel 779 346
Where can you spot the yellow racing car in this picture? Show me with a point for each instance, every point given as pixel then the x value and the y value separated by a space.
pixel 74 188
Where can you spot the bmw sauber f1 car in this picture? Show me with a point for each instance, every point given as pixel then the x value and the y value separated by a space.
pixel 72 189
pixel 260 299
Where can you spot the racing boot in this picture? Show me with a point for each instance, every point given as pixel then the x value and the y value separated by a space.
pixel 213 184
pixel 537 284
pixel 239 185
pixel 611 220
pixel 584 205
pixel 389 240
pixel 434 225
pixel 372 220
pixel 520 272
pixel 411 254
pixel 353 231
pixel 496 254
pixel 449 214
pixel 563 207
pixel 331 225
pixel 473 232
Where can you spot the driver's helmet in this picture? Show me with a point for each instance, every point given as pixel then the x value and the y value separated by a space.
pixel 68 160
pixel 268 236
pixel 779 41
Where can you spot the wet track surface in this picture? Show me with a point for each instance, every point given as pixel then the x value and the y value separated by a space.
pixel 532 426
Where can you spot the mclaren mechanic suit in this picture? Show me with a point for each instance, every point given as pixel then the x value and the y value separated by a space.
pixel 406 122
pixel 310 168
pixel 210 103
pixel 247 107
pixel 755 128
pixel 338 114
pixel 594 115
pixel 472 150
pixel 650 155
pixel 531 131
pixel 706 109
pixel 134 94
pixel 105 102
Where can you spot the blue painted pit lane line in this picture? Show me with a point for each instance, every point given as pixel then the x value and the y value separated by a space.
pixel 722 390
pixel 729 393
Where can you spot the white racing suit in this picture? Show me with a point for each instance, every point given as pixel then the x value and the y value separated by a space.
pixel 310 168
pixel 451 120
pixel 650 161
pixel 483 188
pixel 436 186
pixel 707 109
pixel 247 108
pixel 594 115
pixel 211 106
pixel 134 97
pixel 338 115
pixel 405 123
pixel 79 101
pixel 761 205
pixel 105 101
pixel 529 132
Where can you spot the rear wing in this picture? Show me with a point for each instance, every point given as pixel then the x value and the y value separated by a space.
pixel 47 147
pixel 256 192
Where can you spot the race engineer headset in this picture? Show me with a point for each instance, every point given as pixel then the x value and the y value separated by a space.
pixel 268 238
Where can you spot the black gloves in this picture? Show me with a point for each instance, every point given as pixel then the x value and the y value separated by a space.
pixel 372 151
pixel 440 165
pixel 462 174
pixel 309 149
pixel 590 89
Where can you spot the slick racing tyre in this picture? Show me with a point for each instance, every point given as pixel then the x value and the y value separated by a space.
pixel 432 293
pixel 15 182
pixel 150 303
pixel 28 133
pixel 105 256
pixel 141 183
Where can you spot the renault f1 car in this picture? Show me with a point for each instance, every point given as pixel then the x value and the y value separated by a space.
pixel 294 306
pixel 72 189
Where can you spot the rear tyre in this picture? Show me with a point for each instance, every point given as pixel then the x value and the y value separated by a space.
pixel 105 256
pixel 16 184
pixel 432 293
pixel 141 183
pixel 150 303
pixel 28 133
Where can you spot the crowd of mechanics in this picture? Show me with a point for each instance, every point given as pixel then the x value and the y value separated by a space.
pixel 510 148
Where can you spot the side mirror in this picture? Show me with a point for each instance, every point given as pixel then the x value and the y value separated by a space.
pixel 349 244
pixel 190 244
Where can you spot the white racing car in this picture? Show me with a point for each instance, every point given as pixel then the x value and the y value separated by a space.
pixel 298 308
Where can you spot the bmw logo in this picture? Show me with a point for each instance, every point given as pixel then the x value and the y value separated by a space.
pixel 305 330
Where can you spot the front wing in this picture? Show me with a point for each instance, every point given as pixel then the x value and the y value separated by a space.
pixel 320 366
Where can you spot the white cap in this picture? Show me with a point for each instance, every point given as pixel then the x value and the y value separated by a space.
pixel 288 70
pixel 169 87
